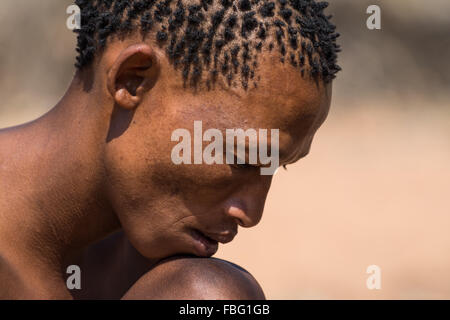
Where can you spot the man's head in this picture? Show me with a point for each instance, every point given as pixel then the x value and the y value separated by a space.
pixel 161 65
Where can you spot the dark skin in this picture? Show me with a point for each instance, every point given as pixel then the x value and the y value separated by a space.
pixel 93 181
pixel 125 274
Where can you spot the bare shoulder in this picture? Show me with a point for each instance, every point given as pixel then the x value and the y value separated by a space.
pixel 196 279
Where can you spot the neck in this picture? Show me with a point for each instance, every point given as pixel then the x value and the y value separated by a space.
pixel 53 170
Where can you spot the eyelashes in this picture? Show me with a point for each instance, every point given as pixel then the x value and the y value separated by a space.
pixel 244 166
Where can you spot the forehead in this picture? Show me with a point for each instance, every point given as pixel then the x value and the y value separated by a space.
pixel 283 99
pixel 281 94
pixel 296 105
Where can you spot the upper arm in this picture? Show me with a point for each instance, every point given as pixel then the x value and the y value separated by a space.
pixel 196 279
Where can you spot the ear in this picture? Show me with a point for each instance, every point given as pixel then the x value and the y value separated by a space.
pixel 133 74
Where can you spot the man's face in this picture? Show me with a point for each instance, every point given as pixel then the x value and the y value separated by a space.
pixel 168 209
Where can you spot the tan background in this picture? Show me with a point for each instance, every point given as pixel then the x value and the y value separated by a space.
pixel 375 188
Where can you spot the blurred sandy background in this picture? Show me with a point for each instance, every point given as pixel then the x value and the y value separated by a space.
pixel 375 188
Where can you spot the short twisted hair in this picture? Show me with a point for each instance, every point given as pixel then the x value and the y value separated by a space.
pixel 217 38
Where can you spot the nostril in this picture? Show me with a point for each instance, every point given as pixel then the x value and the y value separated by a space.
pixel 238 212
pixel 239 222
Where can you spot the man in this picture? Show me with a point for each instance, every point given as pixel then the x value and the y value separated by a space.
pixel 93 183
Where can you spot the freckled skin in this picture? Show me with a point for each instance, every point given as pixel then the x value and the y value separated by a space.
pixel 92 182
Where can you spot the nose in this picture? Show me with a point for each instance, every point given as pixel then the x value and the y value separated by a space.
pixel 240 215
pixel 246 208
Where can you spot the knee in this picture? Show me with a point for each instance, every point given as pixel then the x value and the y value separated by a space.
pixel 196 279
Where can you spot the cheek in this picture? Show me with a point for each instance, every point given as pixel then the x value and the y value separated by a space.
pixel 170 199
pixel 202 185
pixel 143 180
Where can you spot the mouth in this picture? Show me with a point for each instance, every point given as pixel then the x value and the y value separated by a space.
pixel 204 245
pixel 224 237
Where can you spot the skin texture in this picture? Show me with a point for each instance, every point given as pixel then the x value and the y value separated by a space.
pixel 198 279
pixel 128 275
pixel 99 163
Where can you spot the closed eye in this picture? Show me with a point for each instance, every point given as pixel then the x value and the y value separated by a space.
pixel 245 166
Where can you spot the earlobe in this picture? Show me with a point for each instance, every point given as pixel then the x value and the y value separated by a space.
pixel 125 99
pixel 133 74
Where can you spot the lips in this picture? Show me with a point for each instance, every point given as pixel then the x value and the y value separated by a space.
pixel 207 244
pixel 223 237
pixel 204 245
